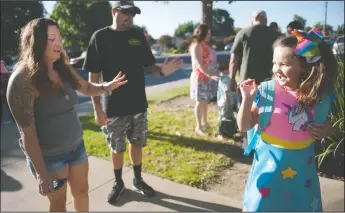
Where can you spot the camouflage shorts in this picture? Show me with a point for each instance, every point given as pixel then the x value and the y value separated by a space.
pixel 132 127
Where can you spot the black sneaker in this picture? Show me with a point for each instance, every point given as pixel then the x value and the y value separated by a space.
pixel 143 188
pixel 115 193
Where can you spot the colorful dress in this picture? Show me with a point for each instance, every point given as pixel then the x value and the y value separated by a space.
pixel 283 176
pixel 200 87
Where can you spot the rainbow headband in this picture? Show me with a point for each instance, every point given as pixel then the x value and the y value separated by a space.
pixel 307 45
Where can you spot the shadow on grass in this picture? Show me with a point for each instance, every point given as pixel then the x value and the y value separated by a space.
pixel 234 152
pixel 89 124
pixel 183 205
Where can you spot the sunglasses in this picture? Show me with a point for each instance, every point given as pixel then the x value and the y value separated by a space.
pixel 127 12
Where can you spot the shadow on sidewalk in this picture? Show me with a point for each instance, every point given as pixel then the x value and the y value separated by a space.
pixel 9 184
pixel 234 152
pixel 180 204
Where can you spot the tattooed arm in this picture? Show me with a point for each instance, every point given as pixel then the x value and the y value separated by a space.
pixel 20 97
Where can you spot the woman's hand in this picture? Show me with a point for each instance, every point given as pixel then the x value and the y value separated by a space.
pixel 320 131
pixel 45 181
pixel 248 89
pixel 116 82
pixel 214 77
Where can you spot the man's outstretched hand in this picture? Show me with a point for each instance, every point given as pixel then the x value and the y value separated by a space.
pixel 171 66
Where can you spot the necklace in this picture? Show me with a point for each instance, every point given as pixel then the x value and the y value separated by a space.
pixel 66 96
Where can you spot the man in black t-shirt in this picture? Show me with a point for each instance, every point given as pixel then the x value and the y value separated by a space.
pixel 122 48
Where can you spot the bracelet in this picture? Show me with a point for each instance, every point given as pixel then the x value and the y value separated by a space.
pixel 102 87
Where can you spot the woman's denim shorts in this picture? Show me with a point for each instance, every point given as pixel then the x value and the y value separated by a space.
pixel 58 162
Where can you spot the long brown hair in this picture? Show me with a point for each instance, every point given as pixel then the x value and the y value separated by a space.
pixel 317 79
pixel 200 33
pixel 33 42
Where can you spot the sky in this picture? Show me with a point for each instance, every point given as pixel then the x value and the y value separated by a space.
pixel 160 18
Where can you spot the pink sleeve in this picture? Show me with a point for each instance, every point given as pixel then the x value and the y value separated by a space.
pixel 3 68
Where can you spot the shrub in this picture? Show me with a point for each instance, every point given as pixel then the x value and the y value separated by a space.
pixel 183 46
pixel 333 146
pixel 229 40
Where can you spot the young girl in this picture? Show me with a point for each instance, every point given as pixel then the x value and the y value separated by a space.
pixel 283 176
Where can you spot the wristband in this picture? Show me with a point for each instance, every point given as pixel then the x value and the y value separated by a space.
pixel 102 87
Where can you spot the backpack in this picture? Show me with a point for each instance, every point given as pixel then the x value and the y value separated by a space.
pixel 322 109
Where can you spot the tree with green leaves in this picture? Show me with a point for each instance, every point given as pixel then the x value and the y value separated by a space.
pixel 340 30
pixel 78 20
pixel 237 29
pixel 14 15
pixel 300 19
pixel 329 28
pixel 165 41
pixel 184 28
pixel 223 24
pixel 207 12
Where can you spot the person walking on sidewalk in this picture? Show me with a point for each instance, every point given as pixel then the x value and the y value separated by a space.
pixel 41 96
pixel 120 47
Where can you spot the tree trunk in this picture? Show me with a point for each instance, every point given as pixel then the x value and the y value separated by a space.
pixel 206 16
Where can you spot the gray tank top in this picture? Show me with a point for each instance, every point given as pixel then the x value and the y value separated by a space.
pixel 57 124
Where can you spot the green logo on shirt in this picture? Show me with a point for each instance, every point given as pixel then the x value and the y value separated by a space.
pixel 134 41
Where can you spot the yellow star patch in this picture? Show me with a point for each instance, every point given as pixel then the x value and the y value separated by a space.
pixel 288 173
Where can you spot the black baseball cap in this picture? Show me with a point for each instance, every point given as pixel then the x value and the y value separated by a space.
pixel 124 5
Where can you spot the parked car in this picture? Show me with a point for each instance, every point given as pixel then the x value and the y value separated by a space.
pixel 330 40
pixel 228 47
pixel 156 50
pixel 78 62
pixel 338 47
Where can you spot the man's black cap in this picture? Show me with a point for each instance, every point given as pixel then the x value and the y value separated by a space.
pixel 124 5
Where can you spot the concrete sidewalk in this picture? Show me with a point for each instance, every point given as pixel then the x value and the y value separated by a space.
pixel 19 189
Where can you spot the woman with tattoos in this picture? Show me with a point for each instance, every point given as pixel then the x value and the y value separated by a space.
pixel 41 96
pixel 200 86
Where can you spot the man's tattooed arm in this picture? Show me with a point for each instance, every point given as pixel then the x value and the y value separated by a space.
pixel 21 96
pixel 154 70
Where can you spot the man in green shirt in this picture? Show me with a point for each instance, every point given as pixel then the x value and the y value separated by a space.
pixel 252 52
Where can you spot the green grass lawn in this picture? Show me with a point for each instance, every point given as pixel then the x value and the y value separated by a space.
pixel 174 151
